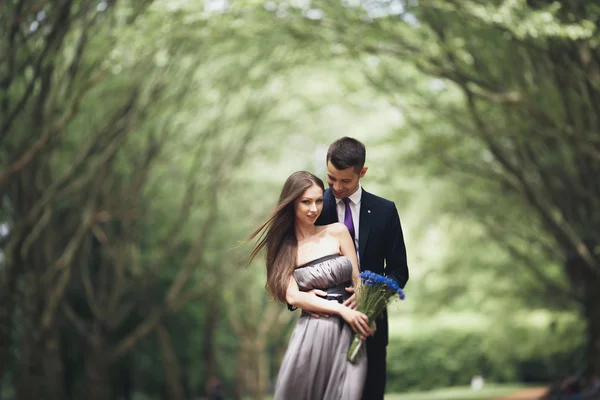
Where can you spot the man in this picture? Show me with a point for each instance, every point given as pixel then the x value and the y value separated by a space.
pixel 375 226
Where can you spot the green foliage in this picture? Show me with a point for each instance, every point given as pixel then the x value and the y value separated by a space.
pixel 448 96
pixel 506 350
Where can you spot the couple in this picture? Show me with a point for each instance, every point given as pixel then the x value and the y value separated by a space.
pixel 315 240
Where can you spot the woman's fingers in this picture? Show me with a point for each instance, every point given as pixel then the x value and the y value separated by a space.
pixel 361 325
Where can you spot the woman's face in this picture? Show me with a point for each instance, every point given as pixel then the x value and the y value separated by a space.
pixel 309 205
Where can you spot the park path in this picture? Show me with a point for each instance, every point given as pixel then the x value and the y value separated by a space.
pixel 525 394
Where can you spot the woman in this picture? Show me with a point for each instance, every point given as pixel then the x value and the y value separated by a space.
pixel 301 257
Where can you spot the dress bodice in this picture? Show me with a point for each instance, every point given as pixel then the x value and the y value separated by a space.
pixel 315 364
pixel 324 272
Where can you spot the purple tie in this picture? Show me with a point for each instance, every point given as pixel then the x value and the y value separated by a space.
pixel 348 218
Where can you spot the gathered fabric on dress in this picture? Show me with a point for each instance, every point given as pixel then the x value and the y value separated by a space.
pixel 315 365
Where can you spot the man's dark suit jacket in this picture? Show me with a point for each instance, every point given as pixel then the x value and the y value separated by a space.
pixel 380 243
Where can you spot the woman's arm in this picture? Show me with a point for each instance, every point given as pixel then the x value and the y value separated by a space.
pixel 309 302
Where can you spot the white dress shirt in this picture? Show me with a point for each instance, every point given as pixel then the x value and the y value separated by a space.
pixel 355 208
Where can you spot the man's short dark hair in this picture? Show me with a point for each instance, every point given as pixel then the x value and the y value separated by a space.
pixel 347 152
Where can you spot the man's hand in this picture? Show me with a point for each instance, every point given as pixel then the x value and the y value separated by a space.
pixel 350 303
pixel 320 293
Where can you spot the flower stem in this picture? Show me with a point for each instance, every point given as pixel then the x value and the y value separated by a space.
pixel 354 349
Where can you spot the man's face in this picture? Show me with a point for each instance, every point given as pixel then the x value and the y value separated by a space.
pixel 343 182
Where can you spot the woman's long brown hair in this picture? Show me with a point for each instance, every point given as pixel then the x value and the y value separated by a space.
pixel 277 234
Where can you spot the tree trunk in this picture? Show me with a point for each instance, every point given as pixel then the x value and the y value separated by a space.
pixel 209 347
pixel 123 382
pixel 172 370
pixel 30 383
pixel 210 335
pixel 55 384
pixel 238 388
pixel 586 283
pixel 96 371
pixel 31 372
pixel 261 365
pixel 591 309
pixel 8 284
pixel 278 353
pixel 242 381
pixel 30 378
pixel 9 276
pixel 252 369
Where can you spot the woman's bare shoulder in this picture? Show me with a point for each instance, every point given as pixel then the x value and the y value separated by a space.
pixel 334 229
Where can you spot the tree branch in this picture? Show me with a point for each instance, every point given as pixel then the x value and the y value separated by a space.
pixel 22 162
pixel 77 322
pixel 53 40
pixel 62 267
pixel 563 231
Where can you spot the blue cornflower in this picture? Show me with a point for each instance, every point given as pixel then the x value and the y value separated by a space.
pixel 371 279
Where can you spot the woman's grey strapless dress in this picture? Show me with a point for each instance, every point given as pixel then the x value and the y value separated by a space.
pixel 315 365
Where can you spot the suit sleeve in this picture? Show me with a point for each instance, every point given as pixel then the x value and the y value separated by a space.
pixel 395 250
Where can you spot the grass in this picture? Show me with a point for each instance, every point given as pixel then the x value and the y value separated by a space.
pixel 458 393
pixel 490 391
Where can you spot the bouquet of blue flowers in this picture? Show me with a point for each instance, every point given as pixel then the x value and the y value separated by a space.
pixel 373 295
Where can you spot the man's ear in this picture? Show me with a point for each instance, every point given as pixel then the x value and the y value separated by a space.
pixel 363 171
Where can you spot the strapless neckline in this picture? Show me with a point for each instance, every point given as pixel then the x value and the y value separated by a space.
pixel 320 259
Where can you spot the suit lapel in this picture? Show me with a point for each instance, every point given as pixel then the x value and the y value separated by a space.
pixel 330 206
pixel 364 223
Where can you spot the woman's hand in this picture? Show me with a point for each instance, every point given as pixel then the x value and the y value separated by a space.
pixel 358 321
pixel 319 293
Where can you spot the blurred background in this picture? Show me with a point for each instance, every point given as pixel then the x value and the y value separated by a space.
pixel 142 141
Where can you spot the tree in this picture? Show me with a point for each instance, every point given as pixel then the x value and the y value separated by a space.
pixel 526 126
pixel 83 194
pixel 506 91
